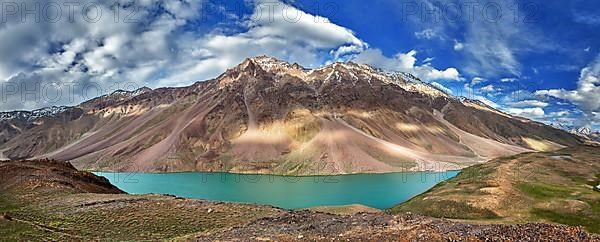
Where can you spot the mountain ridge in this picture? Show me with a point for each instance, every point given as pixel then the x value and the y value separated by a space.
pixel 269 116
pixel 584 132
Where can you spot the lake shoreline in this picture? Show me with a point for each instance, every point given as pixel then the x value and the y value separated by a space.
pixel 53 201
pixel 276 175
pixel 380 191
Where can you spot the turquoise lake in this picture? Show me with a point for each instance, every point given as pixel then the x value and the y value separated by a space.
pixel 373 190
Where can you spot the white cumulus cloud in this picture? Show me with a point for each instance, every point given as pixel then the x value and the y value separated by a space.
pixel 587 94
pixel 427 34
pixel 488 88
pixel 529 103
pixel 155 48
pixel 458 45
pixel 533 113
pixel 406 62
pixel 442 87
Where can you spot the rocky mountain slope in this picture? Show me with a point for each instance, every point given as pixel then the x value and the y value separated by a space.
pixel 52 201
pixel 586 133
pixel 269 116
pixel 557 186
pixel 583 132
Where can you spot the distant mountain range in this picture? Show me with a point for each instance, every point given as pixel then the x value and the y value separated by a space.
pixel 268 116
pixel 584 132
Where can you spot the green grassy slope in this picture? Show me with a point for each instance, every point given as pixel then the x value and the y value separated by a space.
pixel 554 187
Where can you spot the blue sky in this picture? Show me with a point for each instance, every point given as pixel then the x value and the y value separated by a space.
pixel 538 59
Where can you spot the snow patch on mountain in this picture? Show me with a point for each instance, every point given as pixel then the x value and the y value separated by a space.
pixel 134 93
pixel 30 116
pixel 346 71
pixel 584 132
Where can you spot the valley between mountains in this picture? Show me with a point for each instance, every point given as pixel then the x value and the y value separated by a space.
pixel 271 117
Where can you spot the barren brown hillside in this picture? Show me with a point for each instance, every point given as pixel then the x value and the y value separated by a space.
pixel 268 116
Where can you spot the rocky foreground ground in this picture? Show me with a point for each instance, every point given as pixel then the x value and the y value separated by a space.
pixel 304 225
pixel 45 200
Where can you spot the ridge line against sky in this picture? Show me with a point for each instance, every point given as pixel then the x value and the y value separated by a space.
pixel 529 58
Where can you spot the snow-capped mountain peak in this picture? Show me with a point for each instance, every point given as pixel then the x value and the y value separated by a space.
pixel 33 115
pixel 584 131
pixel 337 72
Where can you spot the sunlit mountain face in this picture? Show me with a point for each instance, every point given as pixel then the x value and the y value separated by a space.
pixel 534 59
pixel 269 116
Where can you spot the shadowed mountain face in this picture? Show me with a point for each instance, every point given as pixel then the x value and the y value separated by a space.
pixel 268 116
